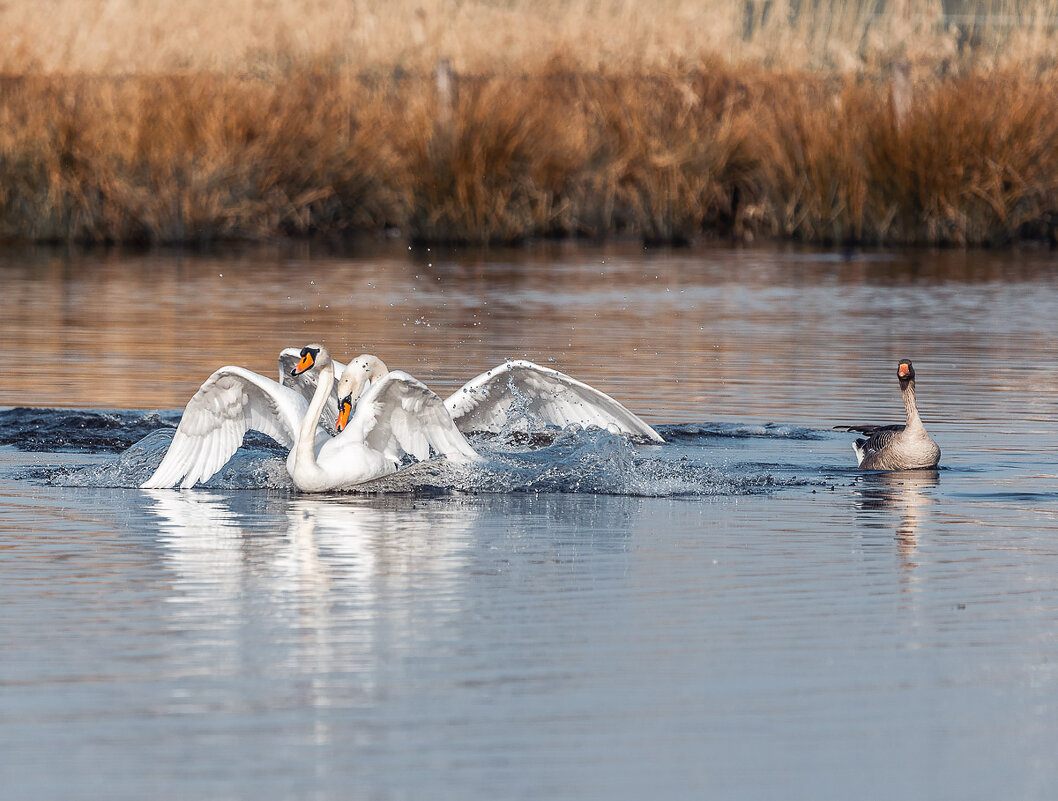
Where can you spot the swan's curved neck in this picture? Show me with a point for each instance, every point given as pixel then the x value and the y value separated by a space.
pixel 305 449
pixel 910 407
pixel 358 376
pixel 376 368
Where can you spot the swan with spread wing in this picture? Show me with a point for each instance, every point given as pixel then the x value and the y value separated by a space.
pixel 495 398
pixel 398 415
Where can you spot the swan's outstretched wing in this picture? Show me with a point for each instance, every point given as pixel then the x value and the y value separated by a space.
pixel 305 384
pixel 488 402
pixel 399 414
pixel 231 402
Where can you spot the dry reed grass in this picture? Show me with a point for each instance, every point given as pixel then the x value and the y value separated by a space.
pixel 191 121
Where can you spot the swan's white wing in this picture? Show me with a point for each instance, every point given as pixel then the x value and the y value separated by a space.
pixel 231 402
pixel 305 384
pixel 486 403
pixel 399 414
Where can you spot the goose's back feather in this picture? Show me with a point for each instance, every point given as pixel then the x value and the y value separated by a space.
pixel 880 438
pixel 870 430
pixel 894 447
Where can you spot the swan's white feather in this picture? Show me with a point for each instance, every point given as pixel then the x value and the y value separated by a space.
pixel 484 403
pixel 231 402
pixel 396 416
pixel 400 415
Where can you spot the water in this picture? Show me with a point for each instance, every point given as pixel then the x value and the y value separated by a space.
pixel 735 614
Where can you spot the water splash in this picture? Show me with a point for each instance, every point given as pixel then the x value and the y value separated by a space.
pixel 599 462
pixel 571 460
pixel 690 431
pixel 257 466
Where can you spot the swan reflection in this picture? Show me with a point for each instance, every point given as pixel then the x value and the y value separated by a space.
pixel 207 536
pixel 309 585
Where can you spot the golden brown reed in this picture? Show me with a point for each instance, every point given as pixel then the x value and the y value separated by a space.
pixel 700 120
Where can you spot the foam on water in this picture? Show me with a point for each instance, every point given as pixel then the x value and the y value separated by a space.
pixel 596 461
pixel 691 431
pixel 255 466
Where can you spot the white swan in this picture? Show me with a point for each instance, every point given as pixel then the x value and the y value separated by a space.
pixel 491 400
pixel 397 416
pixel 305 383
pixel 229 403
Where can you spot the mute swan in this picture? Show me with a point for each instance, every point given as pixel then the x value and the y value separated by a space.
pixel 897 447
pixel 397 415
pixel 229 403
pixel 485 403
pixel 305 383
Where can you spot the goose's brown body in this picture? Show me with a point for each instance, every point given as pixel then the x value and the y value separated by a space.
pixel 898 447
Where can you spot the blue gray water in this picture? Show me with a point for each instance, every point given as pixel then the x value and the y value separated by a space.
pixel 735 614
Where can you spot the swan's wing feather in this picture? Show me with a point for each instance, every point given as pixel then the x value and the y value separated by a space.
pixel 399 414
pixel 231 402
pixel 288 360
pixel 484 403
pixel 305 384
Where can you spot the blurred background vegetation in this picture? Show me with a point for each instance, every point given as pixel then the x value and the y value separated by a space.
pixel 193 120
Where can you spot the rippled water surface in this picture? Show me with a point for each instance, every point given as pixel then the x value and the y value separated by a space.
pixel 734 614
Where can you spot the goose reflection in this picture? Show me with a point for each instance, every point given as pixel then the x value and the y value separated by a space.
pixel 899 497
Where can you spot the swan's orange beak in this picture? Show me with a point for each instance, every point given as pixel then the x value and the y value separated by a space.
pixel 307 360
pixel 904 370
pixel 344 408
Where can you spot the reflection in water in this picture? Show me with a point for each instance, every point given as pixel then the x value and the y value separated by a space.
pixel 904 493
pixel 345 597
pixel 334 584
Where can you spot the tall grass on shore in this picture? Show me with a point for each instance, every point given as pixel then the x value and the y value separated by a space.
pixel 847 127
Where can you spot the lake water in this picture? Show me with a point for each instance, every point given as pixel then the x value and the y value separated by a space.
pixel 735 614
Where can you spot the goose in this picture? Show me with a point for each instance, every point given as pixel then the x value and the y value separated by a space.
pixel 897 447
pixel 396 416
pixel 489 401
